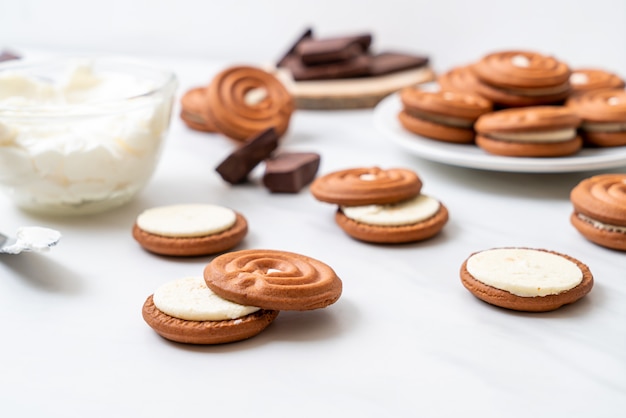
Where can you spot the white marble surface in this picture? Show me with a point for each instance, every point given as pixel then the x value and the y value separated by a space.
pixel 405 339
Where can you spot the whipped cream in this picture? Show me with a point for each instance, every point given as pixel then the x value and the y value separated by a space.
pixel 188 220
pixel 525 272
pixel 81 138
pixel 190 299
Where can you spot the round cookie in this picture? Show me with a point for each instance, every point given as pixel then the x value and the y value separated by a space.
pixel 187 311
pixel 275 280
pixel 525 279
pixel 603 115
pixel 459 79
pixel 244 101
pixel 442 115
pixel 367 185
pixel 193 106
pixel 600 210
pixel 189 229
pixel 412 220
pixel 522 78
pixel 537 131
pixel 587 79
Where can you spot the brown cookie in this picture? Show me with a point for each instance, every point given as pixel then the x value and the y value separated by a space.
pixel 522 78
pixel 270 279
pixel 511 270
pixel 603 115
pixel 194 105
pixel 587 79
pixel 244 101
pixel 537 131
pixel 383 234
pixel 206 332
pixel 442 115
pixel 459 79
pixel 367 185
pixel 600 210
pixel 165 241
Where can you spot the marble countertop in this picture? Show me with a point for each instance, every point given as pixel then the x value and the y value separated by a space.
pixel 405 339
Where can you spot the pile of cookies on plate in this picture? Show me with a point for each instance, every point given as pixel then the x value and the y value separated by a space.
pixel 520 104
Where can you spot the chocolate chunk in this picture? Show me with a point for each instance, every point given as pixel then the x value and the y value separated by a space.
pixel 8 56
pixel 391 62
pixel 236 167
pixel 290 172
pixel 330 50
pixel 308 34
pixel 356 67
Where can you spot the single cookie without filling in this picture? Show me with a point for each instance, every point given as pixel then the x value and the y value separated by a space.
pixel 526 279
pixel 275 280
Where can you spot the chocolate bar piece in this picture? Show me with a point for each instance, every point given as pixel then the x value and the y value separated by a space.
pixel 308 34
pixel 290 172
pixel 391 62
pixel 8 56
pixel 330 50
pixel 356 67
pixel 236 167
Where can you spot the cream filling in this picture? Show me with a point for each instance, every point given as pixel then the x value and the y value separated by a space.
pixel 542 91
pixel 601 225
pixel 190 299
pixel 525 272
pixel 188 220
pixel 603 126
pixel 537 136
pixel 442 120
pixel 407 212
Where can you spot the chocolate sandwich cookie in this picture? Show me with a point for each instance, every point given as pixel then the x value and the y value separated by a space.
pixel 603 115
pixel 236 167
pixel 274 280
pixel 600 210
pixel 587 79
pixel 537 131
pixel 189 229
pixel 289 172
pixel 187 311
pixel 526 279
pixel 194 105
pixel 442 115
pixel 244 101
pixel 522 78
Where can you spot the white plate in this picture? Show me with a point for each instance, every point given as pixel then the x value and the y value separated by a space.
pixel 386 121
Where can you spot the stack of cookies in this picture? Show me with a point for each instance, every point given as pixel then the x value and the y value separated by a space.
pixel 524 88
pixel 239 294
pixel 344 72
pixel 381 206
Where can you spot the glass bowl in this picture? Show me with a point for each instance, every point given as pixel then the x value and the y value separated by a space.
pixel 81 135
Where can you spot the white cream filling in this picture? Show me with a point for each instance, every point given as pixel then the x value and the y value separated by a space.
pixel 524 272
pixel 190 299
pixel 603 126
pixel 407 212
pixel 537 136
pixel 601 225
pixel 188 220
